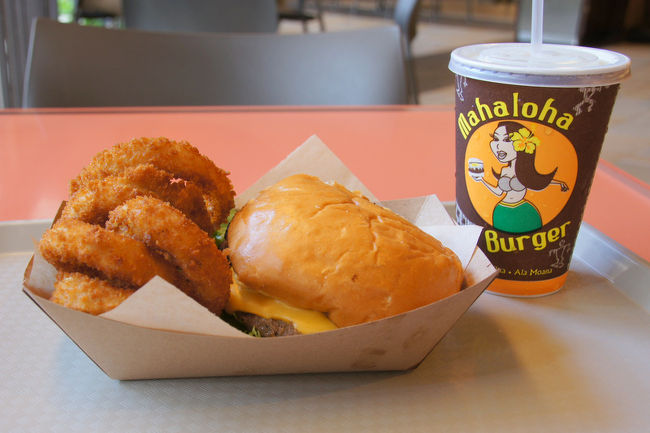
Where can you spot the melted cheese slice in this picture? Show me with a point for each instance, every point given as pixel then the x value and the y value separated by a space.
pixel 250 301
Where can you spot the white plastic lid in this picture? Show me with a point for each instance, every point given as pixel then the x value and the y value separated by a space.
pixel 546 66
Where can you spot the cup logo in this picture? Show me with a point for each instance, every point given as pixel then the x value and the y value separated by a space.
pixel 519 174
pixel 525 159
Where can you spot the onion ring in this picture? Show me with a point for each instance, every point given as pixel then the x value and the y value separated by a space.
pixel 179 158
pixel 84 293
pixel 168 232
pixel 96 198
pixel 73 245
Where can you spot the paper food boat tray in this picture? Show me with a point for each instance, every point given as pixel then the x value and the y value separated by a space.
pixel 159 332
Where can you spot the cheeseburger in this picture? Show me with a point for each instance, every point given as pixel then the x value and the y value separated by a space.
pixel 310 256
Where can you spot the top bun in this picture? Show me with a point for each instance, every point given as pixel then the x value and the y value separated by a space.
pixel 321 247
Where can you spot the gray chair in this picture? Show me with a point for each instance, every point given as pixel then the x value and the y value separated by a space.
pixel 71 65
pixel 406 16
pixel 227 16
pixel 109 11
pixel 15 20
pixel 299 13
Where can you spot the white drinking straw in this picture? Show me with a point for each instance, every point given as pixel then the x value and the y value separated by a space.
pixel 537 24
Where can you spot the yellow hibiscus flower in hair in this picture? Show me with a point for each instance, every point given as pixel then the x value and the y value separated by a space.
pixel 524 140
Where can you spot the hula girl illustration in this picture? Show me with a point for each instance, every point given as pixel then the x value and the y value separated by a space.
pixel 515 146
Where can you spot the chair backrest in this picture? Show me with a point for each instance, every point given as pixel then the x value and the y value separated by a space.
pixel 71 65
pixel 226 16
pixel 15 20
pixel 406 16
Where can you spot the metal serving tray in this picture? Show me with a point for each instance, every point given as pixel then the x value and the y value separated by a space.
pixel 575 361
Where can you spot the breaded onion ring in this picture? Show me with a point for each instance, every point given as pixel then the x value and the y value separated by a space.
pixel 73 245
pixel 167 231
pixel 96 198
pixel 84 293
pixel 179 158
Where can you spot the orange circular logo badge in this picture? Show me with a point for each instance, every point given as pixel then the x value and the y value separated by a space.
pixel 519 174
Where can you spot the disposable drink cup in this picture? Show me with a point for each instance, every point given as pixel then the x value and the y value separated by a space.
pixel 530 124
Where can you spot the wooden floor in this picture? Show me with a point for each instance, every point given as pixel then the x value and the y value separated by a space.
pixel 627 144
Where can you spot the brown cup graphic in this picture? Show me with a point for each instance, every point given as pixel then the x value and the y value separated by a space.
pixel 475 168
pixel 536 119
